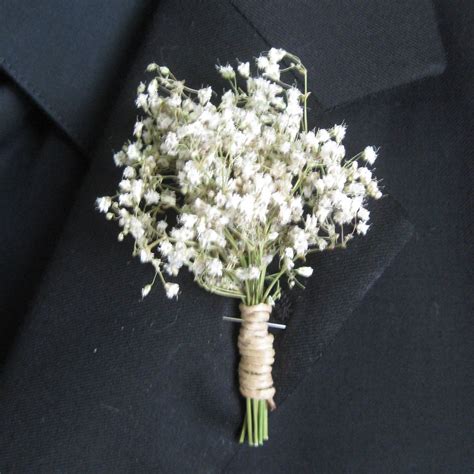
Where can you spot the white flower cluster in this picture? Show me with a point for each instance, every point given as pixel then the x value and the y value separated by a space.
pixel 239 191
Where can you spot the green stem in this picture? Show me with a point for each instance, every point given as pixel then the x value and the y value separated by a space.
pixel 265 424
pixel 244 427
pixel 261 412
pixel 255 421
pixel 249 421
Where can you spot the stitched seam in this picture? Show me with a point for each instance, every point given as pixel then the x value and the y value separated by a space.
pixel 41 100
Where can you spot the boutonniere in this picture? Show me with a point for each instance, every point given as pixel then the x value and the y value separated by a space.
pixel 239 191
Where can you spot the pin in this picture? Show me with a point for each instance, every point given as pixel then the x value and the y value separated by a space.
pixel 270 325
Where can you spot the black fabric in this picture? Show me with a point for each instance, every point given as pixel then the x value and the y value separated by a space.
pixel 39 174
pixel 376 381
pixel 70 57
pixel 346 47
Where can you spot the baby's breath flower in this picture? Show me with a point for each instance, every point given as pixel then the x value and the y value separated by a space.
pixel 146 255
pixel 262 62
pixel 214 267
pixel 152 197
pixel 244 69
pixel 205 95
pixel 322 136
pixel 304 271
pixel 362 228
pixel 246 184
pixel 275 55
pixel 172 290
pixel 152 67
pixel 227 72
pixel 103 204
pixel 164 71
pixel 369 154
pixel 339 132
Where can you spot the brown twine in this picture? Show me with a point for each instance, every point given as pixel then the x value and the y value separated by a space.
pixel 256 353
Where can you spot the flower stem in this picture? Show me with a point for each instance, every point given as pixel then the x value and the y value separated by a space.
pixel 244 427
pixel 265 423
pixel 255 421
pixel 249 421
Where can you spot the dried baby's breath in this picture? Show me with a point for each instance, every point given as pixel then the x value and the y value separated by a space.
pixel 250 185
pixel 238 191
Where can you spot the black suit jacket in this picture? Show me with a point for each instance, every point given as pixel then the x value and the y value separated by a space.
pixel 97 380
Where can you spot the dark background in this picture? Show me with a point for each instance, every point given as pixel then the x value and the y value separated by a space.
pixel 394 392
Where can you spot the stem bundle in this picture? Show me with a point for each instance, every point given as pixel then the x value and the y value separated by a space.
pixel 255 371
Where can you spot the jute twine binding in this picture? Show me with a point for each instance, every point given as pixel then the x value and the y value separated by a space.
pixel 256 354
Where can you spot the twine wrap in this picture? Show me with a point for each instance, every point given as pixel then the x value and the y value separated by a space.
pixel 256 353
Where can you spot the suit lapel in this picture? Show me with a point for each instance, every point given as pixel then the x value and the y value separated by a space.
pixel 67 58
pixel 340 281
pixel 71 57
pixel 352 50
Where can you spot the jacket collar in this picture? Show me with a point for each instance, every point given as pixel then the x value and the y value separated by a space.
pixel 72 58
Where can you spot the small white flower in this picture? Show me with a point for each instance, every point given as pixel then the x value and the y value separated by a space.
pixel 129 172
pixel 152 197
pixel 152 89
pixel 272 71
pixel 103 204
pixel 137 189
pixel 250 273
pixel 137 130
pixel 214 267
pixel 126 200
pixel 168 198
pixel 369 154
pixel 363 214
pixel 322 135
pixel 133 152
pixel 275 55
pixel 164 71
pixel 166 248
pixel 146 255
pixel 339 132
pixel 373 190
pixel 161 226
pixel 204 95
pixel 244 70
pixel 365 175
pixel 289 253
pixel 152 67
pixel 120 158
pixel 174 100
pixel 304 271
pixel 227 72
pixel 170 144
pixel 172 290
pixel 142 101
pixel 262 62
pixel 362 228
